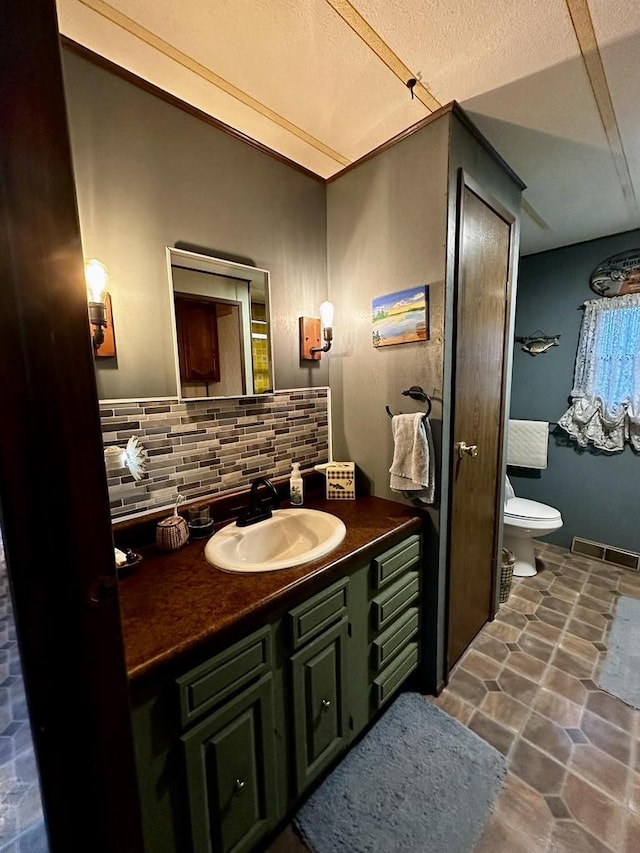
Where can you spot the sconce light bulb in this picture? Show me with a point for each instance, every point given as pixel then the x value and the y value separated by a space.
pixel 326 315
pixel 96 277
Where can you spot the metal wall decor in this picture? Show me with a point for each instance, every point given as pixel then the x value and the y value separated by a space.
pixel 617 275
pixel 538 342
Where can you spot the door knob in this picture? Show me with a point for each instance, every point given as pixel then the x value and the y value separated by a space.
pixel 465 449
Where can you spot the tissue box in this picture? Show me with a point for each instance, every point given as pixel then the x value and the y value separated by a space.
pixel 341 481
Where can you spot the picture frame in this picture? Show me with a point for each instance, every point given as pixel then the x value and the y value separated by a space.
pixel 401 317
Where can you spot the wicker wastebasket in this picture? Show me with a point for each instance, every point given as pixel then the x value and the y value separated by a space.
pixel 506 575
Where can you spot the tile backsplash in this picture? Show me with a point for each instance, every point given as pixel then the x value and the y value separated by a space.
pixel 207 447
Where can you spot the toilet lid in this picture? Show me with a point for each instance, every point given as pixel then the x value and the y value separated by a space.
pixel 524 508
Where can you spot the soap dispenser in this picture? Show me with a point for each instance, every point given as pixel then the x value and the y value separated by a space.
pixel 295 485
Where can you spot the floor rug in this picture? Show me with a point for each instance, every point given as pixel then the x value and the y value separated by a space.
pixel 419 781
pixel 620 670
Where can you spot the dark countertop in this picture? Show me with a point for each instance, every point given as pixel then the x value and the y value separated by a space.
pixel 174 602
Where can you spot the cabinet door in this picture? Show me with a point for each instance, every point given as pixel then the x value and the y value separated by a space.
pixel 230 760
pixel 320 702
pixel 197 326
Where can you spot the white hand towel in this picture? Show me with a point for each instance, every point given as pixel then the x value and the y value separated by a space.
pixel 412 466
pixel 528 444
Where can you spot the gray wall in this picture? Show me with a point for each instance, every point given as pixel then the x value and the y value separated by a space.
pixel 386 231
pixel 597 493
pixel 148 176
pixel 391 224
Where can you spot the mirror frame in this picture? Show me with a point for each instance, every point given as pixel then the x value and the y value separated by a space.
pixel 232 269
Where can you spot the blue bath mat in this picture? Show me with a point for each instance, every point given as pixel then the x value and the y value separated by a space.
pixel 620 671
pixel 418 781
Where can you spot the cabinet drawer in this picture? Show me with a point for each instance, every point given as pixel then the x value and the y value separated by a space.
pixel 388 644
pixel 387 605
pixel 318 612
pixel 394 561
pixel 392 677
pixel 205 686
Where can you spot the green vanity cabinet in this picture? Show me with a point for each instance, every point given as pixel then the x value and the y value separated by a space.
pixel 230 756
pixel 226 750
pixel 395 583
pixel 318 671
pixel 230 764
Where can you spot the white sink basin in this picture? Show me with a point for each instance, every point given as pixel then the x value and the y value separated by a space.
pixel 289 538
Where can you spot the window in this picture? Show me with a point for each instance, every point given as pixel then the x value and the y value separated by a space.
pixel 605 399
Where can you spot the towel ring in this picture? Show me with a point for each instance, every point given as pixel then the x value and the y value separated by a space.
pixel 416 393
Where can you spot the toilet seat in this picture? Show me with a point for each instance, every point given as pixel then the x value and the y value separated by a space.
pixel 522 511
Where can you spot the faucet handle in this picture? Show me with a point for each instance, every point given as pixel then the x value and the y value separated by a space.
pixel 259 509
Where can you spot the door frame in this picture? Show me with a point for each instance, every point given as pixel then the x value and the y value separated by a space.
pixel 464 180
pixel 54 501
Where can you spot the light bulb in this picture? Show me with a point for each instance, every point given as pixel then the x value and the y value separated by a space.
pixel 96 277
pixel 326 315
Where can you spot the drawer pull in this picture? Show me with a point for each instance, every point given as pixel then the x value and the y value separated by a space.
pixel 239 787
pixel 326 703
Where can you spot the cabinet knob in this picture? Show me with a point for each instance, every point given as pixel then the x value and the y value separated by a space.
pixel 326 703
pixel 239 787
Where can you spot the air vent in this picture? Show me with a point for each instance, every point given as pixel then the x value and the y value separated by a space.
pixel 606 553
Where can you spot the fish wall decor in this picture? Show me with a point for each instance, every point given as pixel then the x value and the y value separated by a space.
pixel 538 342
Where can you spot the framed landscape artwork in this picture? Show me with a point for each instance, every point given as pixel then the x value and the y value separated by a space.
pixel 401 317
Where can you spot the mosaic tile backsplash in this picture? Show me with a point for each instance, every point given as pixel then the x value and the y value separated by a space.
pixel 207 447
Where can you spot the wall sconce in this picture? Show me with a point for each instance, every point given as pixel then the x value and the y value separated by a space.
pixel 310 349
pixel 100 316
pixel 96 276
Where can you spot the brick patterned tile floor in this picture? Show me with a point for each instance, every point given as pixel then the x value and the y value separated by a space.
pixel 527 684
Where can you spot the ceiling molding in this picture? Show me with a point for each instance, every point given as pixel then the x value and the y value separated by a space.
pixel 409 131
pixel 473 129
pixel 152 89
pixel 590 50
pixel 152 40
pixel 370 37
pixel 455 109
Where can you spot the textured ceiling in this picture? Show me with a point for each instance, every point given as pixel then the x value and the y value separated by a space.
pixel 553 84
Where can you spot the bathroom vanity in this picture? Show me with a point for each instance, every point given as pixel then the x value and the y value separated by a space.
pixel 246 689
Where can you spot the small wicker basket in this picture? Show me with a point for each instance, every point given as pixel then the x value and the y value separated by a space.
pixel 506 575
pixel 173 532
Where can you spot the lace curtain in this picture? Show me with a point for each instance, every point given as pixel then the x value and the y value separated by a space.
pixel 605 398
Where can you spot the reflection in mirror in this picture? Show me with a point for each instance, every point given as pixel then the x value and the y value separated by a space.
pixel 221 325
pixel 133 456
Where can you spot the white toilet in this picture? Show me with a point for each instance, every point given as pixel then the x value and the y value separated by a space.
pixel 524 521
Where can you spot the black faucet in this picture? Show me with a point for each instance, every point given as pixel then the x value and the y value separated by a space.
pixel 259 510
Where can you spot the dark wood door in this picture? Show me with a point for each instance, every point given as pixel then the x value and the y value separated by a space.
pixel 198 350
pixel 54 502
pixel 482 296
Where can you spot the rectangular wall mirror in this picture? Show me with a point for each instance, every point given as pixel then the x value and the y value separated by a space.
pixel 222 340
